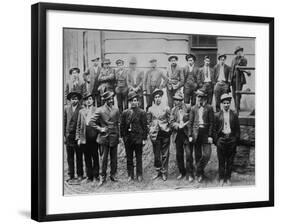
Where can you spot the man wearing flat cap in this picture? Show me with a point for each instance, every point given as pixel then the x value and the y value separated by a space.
pixel 175 79
pixel 73 84
pixel 226 137
pixel 135 80
pixel 106 78
pixel 70 124
pixel 222 79
pixel 190 73
pixel 153 79
pixel 106 121
pixel 94 72
pixel 206 79
pixel 86 137
pixel 201 131
pixel 159 132
pixel 121 85
pixel 179 120
pixel 134 130
pixel 238 60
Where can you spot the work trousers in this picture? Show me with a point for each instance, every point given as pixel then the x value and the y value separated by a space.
pixel 131 148
pixel 107 150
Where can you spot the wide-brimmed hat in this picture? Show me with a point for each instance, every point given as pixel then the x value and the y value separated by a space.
pixel 132 95
pixel 190 56
pixel 72 94
pixel 133 60
pixel 173 56
pixel 178 96
pixel 156 92
pixel 106 61
pixel 225 96
pixel 96 59
pixel 107 95
pixel 74 69
pixel 201 92
pixel 87 95
pixel 238 49
pixel 222 56
pixel 152 60
pixel 119 61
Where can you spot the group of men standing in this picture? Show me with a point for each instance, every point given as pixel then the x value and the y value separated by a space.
pixel 94 127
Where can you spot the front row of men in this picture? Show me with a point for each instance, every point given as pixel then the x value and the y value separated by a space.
pixel 92 131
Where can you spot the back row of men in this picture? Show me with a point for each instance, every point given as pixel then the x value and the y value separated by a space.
pixel 121 81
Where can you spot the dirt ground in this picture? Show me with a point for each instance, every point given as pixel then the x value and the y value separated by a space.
pixel 211 170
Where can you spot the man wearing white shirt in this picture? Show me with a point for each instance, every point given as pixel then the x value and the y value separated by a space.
pixel 222 79
pixel 226 136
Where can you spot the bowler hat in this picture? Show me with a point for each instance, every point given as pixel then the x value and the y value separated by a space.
pixel 119 61
pixel 74 69
pixel 225 96
pixel 152 60
pixel 107 95
pixel 238 49
pixel 133 60
pixel 190 56
pixel 201 92
pixel 87 95
pixel 157 91
pixel 173 56
pixel 222 56
pixel 96 59
pixel 132 95
pixel 106 61
pixel 178 96
pixel 72 94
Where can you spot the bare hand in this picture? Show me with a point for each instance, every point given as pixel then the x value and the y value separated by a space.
pixel 190 139
pixel 144 142
pixel 210 140
pixel 79 142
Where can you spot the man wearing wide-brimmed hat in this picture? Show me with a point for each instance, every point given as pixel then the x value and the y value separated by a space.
pixel 134 132
pixel 135 80
pixel 175 79
pixel 94 72
pixel 153 79
pixel 121 85
pixel 70 124
pixel 179 123
pixel 106 121
pixel 74 84
pixel 222 79
pixel 106 78
pixel 190 73
pixel 206 79
pixel 201 131
pixel 238 60
pixel 159 133
pixel 86 137
pixel 226 137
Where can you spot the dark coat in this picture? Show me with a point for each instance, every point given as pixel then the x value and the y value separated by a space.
pixel 175 78
pixel 241 61
pixel 104 117
pixel 94 83
pixel 175 118
pixel 136 120
pixel 234 125
pixel 201 77
pixel 190 77
pixel 106 80
pixel 70 122
pixel 121 81
pixel 208 118
pixel 227 70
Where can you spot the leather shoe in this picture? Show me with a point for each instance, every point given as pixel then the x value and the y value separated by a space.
pixel 164 176
pixel 102 181
pixel 190 179
pixel 179 177
pixel 130 179
pixel 140 178
pixel 156 176
pixel 113 178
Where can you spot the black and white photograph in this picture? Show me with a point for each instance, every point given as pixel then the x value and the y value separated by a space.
pixel 150 112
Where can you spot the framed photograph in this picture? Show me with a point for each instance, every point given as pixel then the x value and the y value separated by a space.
pixel 139 111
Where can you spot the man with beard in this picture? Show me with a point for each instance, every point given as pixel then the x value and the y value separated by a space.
pixel 190 73
pixel 86 137
pixel 179 123
pixel 134 131
pixel 70 124
pixel 106 121
pixel 135 80
pixel 106 78
pixel 201 132
pixel 227 134
pixel 121 85
pixel 175 79
pixel 222 80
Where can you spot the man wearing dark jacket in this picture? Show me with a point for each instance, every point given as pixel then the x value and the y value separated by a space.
pixel 201 132
pixel 70 123
pixel 227 134
pixel 134 132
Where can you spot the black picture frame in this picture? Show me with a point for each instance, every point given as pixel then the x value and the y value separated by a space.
pixel 39 123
